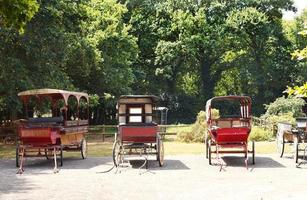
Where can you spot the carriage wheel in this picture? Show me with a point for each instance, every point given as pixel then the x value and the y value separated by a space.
pixel 280 145
pixel 253 149
pixel 61 156
pixel 17 156
pixel 8 140
pixel 160 152
pixel 296 146
pixel 83 148
pixel 116 152
pixel 47 154
pixel 209 152
pixel 296 153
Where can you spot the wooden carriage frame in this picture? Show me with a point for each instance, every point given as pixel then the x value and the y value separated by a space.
pixel 225 134
pixel 49 137
pixel 137 134
pixel 287 133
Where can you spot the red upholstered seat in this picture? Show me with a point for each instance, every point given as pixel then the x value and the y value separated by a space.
pixel 229 135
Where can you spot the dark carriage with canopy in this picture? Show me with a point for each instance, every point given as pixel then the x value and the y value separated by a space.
pixel 138 132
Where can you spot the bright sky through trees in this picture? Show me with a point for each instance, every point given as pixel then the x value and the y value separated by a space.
pixel 300 5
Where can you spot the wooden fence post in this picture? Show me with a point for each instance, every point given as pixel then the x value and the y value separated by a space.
pixel 103 132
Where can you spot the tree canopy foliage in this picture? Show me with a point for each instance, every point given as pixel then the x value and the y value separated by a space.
pixel 16 13
pixel 185 51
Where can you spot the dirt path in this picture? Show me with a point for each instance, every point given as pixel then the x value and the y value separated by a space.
pixel 182 177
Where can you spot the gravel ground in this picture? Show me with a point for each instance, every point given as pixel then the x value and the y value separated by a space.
pixel 182 177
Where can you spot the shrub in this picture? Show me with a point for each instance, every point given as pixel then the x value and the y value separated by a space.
pixel 284 105
pixel 198 129
pixel 282 110
pixel 260 134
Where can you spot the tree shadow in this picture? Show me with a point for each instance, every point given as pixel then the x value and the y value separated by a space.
pixel 169 164
pixel 260 162
pixel 10 182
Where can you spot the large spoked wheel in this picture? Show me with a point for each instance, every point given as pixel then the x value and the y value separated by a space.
pixel 253 152
pixel 17 155
pixel 209 152
pixel 116 152
pixel 83 148
pixel 160 152
pixel 280 144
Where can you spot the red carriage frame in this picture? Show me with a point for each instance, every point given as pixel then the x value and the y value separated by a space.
pixel 138 134
pixel 49 136
pixel 229 135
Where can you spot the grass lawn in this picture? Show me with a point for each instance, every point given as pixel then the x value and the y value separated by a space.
pixel 97 149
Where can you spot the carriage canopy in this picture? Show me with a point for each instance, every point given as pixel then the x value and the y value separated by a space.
pixel 136 109
pixel 234 106
pixel 55 94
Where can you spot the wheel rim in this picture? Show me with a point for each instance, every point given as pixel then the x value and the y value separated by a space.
pixel 280 145
pixel 253 145
pixel 296 147
pixel 116 153
pixel 17 155
pixel 84 149
pixel 161 153
pixel 209 151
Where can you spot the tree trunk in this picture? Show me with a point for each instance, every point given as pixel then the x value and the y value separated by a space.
pixel 207 79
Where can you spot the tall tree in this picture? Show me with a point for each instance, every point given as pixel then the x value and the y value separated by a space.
pixel 16 13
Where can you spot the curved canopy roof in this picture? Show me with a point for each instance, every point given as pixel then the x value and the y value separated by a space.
pixel 242 99
pixel 152 97
pixel 54 93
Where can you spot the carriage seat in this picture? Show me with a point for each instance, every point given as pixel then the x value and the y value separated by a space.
pixel 32 122
pixel 229 123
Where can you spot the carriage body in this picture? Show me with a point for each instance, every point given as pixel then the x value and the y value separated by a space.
pixel 288 133
pixel 56 120
pixel 229 132
pixel 138 131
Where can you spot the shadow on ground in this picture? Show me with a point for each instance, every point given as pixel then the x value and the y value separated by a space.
pixel 154 165
pixel 260 162
pixel 10 182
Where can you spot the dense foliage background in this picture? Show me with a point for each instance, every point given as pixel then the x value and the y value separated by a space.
pixel 185 51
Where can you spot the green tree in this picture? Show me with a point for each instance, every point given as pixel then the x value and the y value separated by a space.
pixel 16 13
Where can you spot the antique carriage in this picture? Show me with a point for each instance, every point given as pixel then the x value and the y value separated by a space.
pixel 56 120
pixel 228 126
pixel 137 130
pixel 289 134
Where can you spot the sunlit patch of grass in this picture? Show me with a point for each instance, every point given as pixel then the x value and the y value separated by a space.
pixel 7 151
